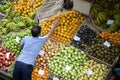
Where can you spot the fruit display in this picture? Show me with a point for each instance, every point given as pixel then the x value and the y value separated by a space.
pixel 5 6
pixel 69 23
pixel 39 74
pixel 106 14
pixel 50 49
pixel 11 67
pixel 104 50
pixel 93 71
pixel 6 58
pixel 12 41
pixel 85 35
pixel 113 37
pixel 15 22
pixel 27 6
pixel 66 64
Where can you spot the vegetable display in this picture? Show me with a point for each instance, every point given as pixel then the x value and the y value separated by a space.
pixel 104 50
pixel 103 11
pixel 50 49
pixel 113 37
pixel 92 70
pixel 69 23
pixel 27 6
pixel 85 36
pixel 6 59
pixel 66 64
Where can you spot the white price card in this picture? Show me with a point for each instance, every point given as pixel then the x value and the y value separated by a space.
pixel 76 38
pixel 67 68
pixel 42 52
pixel 7 55
pixel 106 43
pixel 55 78
pixel 110 21
pixel 17 39
pixel 89 72
pixel 41 72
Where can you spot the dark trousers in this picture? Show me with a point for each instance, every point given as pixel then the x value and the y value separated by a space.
pixel 22 71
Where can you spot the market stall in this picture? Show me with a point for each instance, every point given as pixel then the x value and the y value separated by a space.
pixel 84 46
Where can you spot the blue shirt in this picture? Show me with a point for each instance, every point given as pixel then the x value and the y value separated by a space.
pixel 31 48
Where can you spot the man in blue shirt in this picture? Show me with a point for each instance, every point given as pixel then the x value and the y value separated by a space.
pixel 31 46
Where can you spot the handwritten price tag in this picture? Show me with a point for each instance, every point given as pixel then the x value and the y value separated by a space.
pixel 106 43
pixel 17 39
pixel 76 38
pixel 41 72
pixel 7 55
pixel 110 21
pixel 89 72
pixel 67 68
pixel 55 78
pixel 42 52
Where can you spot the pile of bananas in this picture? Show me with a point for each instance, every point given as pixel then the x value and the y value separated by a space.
pixel 5 6
pixel 104 10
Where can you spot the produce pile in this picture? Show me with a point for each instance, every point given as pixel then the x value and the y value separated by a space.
pixel 5 6
pixel 66 64
pixel 104 10
pixel 104 50
pixel 50 49
pixel 69 23
pixel 27 6
pixel 11 67
pixel 6 58
pixel 113 37
pixel 13 41
pixel 85 36
pixel 15 22
pixel 93 71
pixel 39 74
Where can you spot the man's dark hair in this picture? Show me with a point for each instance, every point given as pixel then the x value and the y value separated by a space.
pixel 36 31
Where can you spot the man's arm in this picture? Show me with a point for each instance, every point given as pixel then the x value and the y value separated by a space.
pixel 53 28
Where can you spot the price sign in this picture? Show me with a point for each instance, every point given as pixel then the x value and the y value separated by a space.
pixel 110 21
pixel 17 39
pixel 7 55
pixel 67 68
pixel 41 72
pixel 89 72
pixel 76 38
pixel 42 52
pixel 106 43
pixel 55 78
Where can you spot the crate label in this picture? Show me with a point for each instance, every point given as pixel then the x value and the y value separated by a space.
pixel 76 38
pixel 42 52
pixel 17 39
pixel 7 54
pixel 106 43
pixel 89 72
pixel 41 72
pixel 110 21
pixel 68 68
pixel 55 78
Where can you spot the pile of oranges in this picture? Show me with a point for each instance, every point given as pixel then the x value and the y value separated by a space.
pixel 27 6
pixel 69 23
pixel 36 75
pixel 113 37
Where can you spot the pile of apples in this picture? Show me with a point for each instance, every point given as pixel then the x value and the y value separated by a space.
pixel 67 63
pixel 6 59
pixel 50 49
pixel 69 23
pixel 27 6
pixel 93 70
pixel 39 74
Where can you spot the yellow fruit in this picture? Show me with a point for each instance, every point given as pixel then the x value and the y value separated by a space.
pixel 69 23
